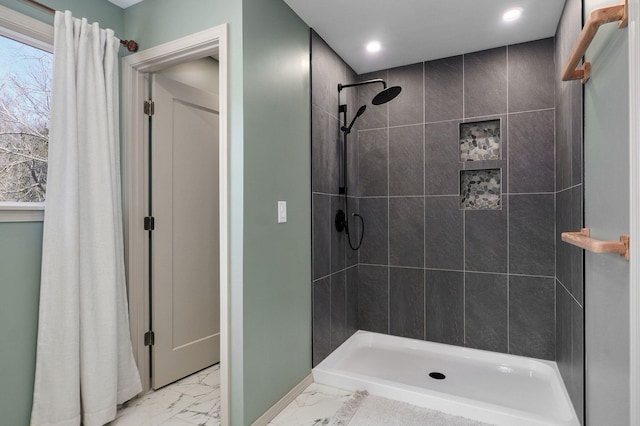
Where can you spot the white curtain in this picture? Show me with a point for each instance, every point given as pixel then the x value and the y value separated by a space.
pixel 85 364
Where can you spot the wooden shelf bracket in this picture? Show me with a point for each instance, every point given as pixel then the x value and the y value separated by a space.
pixel 596 18
pixel 583 240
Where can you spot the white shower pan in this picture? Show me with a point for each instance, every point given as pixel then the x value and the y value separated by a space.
pixel 486 386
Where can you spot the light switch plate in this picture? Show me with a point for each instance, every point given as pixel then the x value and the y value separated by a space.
pixel 282 211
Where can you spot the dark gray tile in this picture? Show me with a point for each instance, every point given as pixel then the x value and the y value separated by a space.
pixel 531 152
pixel 321 320
pixel 375 242
pixel 373 158
pixel 406 302
pixel 445 307
pixel 531 75
pixel 338 309
pixel 406 167
pixel 577 142
pixel 563 250
pixel 563 334
pixel 443 85
pixel 321 235
pixel 406 231
pixel 444 233
pixel 352 300
pixel 325 145
pixel 441 158
pixel 376 116
pixel 485 82
pixel 327 70
pixel 576 254
pixel 486 311
pixel 338 240
pixel 373 298
pixel 486 239
pixel 531 234
pixel 355 229
pixel 563 139
pixel 532 317
pixel 353 163
pixel 407 108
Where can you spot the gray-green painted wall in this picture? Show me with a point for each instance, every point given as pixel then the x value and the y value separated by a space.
pixel 606 184
pixel 277 166
pixel 20 255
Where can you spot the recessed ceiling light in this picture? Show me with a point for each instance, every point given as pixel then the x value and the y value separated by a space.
pixel 373 46
pixel 512 15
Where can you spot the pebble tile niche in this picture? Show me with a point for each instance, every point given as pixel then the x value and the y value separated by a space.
pixel 480 189
pixel 480 140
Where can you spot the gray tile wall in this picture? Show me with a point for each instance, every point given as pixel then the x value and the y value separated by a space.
pixel 427 269
pixel 569 213
pixel 335 277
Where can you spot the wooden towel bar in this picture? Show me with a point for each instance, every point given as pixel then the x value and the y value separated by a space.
pixel 583 239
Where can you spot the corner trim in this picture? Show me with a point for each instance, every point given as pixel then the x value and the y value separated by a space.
pixel 272 412
pixel 634 213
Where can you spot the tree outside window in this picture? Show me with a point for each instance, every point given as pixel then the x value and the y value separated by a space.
pixel 25 100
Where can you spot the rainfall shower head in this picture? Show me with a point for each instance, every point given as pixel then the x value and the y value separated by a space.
pixel 386 95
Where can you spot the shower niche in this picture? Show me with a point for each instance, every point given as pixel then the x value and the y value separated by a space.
pixel 480 140
pixel 480 189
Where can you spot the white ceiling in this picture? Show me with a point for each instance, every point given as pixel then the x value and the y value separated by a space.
pixel 125 3
pixel 412 31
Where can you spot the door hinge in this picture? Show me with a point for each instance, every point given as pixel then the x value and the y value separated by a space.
pixel 149 338
pixel 149 223
pixel 149 107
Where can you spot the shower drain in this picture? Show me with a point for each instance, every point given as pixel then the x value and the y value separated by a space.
pixel 437 376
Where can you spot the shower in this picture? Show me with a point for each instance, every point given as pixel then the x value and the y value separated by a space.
pixel 386 95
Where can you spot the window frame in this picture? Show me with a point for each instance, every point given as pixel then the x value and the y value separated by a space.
pixel 38 34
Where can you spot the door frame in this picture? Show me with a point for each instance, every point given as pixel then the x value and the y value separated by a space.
pixel 134 127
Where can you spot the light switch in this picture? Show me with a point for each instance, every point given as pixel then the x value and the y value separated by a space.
pixel 282 211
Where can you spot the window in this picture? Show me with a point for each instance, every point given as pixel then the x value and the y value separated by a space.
pixel 26 65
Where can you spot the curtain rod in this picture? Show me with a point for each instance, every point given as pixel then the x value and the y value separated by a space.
pixel 131 45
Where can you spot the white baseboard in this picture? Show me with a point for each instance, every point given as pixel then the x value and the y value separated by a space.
pixel 272 412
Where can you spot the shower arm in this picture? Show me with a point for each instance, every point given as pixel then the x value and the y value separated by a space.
pixel 362 83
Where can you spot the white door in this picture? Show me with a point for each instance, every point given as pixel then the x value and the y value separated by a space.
pixel 185 288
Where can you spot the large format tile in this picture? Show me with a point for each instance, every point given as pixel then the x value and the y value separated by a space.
pixel 321 235
pixel 338 309
pixel 563 318
pixel 444 233
pixel 375 242
pixel 328 70
pixel 406 302
pixel 486 311
pixel 338 242
pixel 313 407
pixel 485 82
pixel 352 300
pixel 373 298
pixel 531 234
pixel 321 319
pixel 486 239
pixel 442 159
pixel 531 75
pixel 563 136
pixel 443 85
pixel 406 231
pixel 445 307
pixel 407 108
pixel 531 152
pixel 373 162
pixel 532 317
pixel 325 148
pixel 406 167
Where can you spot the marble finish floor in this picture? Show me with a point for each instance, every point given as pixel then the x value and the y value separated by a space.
pixel 195 400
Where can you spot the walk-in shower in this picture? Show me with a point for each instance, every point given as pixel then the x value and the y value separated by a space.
pixel 386 95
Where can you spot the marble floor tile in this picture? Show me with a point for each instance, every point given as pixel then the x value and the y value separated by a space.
pixel 313 407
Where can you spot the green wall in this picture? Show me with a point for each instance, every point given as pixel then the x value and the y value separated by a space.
pixel 606 186
pixel 20 248
pixel 277 161
pixel 269 161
